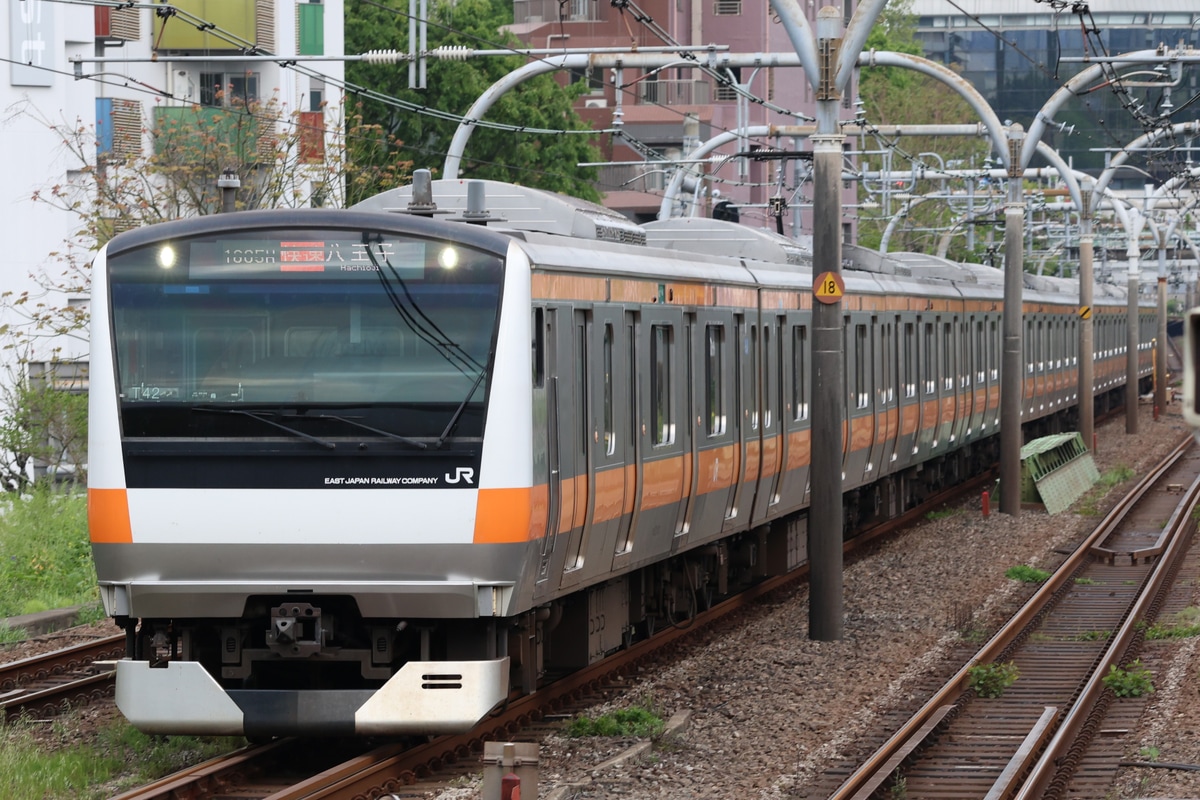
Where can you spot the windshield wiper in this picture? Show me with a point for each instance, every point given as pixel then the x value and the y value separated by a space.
pixel 397 437
pixel 458 412
pixel 265 417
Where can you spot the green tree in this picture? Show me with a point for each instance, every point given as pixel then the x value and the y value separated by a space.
pixel 44 422
pixel 893 96
pixel 545 161
pixel 281 159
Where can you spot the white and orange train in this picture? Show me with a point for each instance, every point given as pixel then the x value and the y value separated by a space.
pixel 369 471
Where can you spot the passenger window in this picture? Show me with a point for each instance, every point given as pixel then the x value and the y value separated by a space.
pixel 610 438
pixel 714 389
pixel 799 372
pixel 660 384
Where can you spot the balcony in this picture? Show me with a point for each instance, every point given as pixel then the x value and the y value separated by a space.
pixel 193 134
pixel 550 11
pixel 675 92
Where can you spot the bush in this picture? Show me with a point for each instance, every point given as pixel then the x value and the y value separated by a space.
pixel 990 680
pixel 1133 681
pixel 45 554
pixel 627 722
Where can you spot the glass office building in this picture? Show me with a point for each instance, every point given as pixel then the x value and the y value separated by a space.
pixel 1013 52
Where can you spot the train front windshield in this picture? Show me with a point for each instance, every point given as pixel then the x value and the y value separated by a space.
pixel 303 333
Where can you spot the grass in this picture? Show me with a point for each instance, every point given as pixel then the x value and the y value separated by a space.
pixel 1182 625
pixel 46 563
pixel 119 758
pixel 638 722
pixel 1026 574
pixel 45 554
pixel 1089 506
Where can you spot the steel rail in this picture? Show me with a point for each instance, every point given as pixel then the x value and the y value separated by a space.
pixel 877 767
pixel 45 681
pixel 1052 770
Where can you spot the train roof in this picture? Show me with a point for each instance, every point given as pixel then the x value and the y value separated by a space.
pixel 506 206
pixel 724 238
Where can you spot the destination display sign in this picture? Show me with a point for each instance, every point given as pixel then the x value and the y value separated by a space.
pixel 300 257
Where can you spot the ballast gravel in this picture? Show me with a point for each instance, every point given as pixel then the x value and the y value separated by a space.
pixel 771 711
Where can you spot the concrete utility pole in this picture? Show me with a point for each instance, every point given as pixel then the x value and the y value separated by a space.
pixel 1012 376
pixel 229 184
pixel 828 60
pixel 1087 371
pixel 1133 254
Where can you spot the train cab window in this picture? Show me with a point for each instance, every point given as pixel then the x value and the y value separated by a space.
pixel 861 361
pixel 610 436
pixel 660 384
pixel 909 378
pixel 799 372
pixel 714 370
pixel 539 348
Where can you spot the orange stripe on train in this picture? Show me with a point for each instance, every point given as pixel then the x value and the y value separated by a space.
pixel 108 516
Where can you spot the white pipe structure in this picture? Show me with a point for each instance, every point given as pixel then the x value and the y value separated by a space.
pixel 990 122
pixel 711 58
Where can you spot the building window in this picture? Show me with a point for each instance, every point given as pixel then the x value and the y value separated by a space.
pixel 727 91
pixel 228 88
pixel 118 128
pixel 310 28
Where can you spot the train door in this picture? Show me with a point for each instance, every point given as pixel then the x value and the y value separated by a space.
pixel 603 493
pixel 563 440
pixel 961 341
pixel 793 483
pixel 660 362
pixel 991 419
pixel 928 389
pixel 860 416
pixel 908 389
pixel 546 464
pixel 714 445
pixel 886 411
pixel 685 433
pixel 770 438
pixel 978 376
pixel 630 401
pixel 741 424
pixel 575 445
pixel 947 385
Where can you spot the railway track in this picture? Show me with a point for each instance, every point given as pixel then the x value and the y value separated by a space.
pixel 44 685
pixel 1089 616
pixel 269 771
